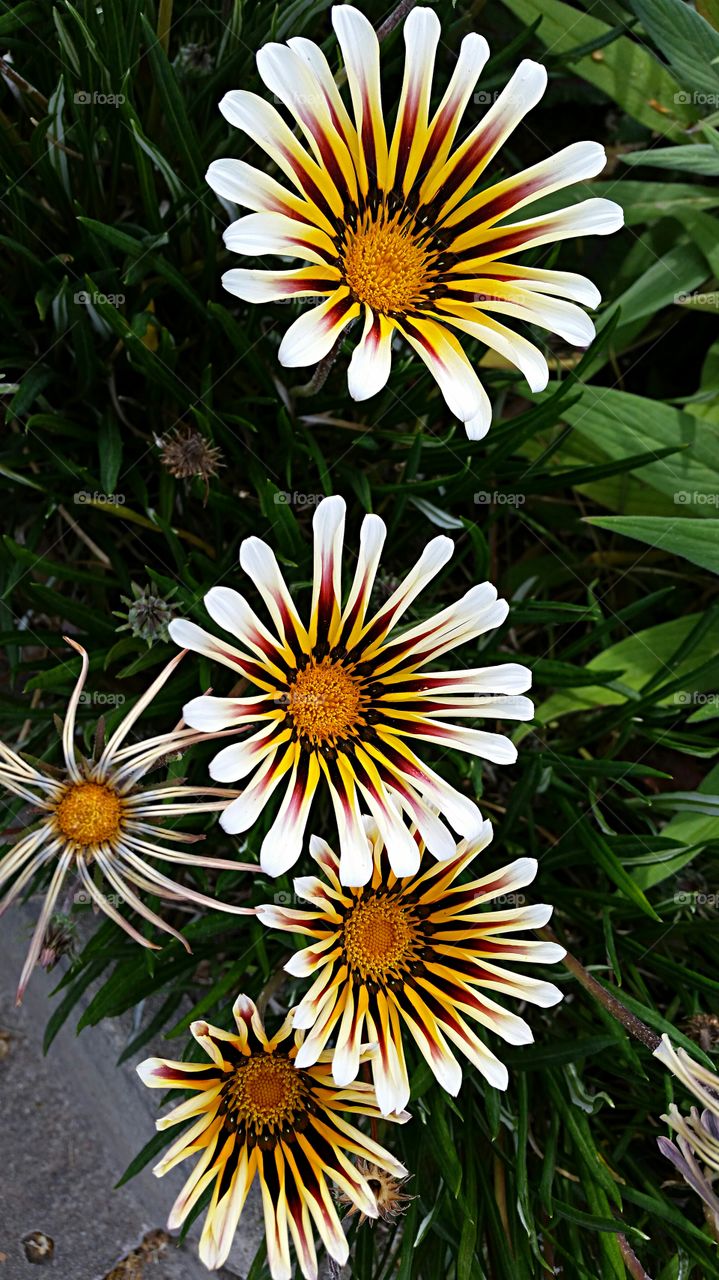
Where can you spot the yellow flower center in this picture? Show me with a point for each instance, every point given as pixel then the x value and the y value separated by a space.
pixel 324 702
pixel 387 265
pixel 265 1092
pixel 380 938
pixel 89 813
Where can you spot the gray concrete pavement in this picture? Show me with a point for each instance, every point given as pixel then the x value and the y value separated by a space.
pixel 70 1123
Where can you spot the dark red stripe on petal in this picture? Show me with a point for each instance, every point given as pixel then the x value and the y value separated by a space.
pixel 308 248
pixel 248 666
pixel 368 142
pixel 507 241
pixel 457 996
pixel 306 283
pixel 187 1077
pixel 470 161
pixel 326 598
pixel 336 312
pixel 330 161
pixel 497 207
pixel 435 140
pixel 409 124
pixel 309 186
pixel 300 787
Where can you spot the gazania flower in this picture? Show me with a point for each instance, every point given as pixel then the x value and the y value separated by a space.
pixel 417 954
pixel 343 699
pixel 93 821
pixel 408 232
pixel 255 1114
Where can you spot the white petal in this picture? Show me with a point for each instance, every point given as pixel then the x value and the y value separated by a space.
pixel 314 333
pixel 371 361
pixel 273 286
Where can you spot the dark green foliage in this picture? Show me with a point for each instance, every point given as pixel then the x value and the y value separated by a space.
pixel 115 331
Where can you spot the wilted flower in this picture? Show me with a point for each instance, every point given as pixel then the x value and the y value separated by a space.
pixel 94 819
pixel 697 1140
pixel 697 1134
pixel 392 1200
pixel 695 1077
pixel 704 1029
pixel 185 453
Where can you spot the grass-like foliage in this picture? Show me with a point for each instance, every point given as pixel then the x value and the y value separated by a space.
pixel 592 506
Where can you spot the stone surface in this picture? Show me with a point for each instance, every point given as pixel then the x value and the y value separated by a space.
pixel 71 1124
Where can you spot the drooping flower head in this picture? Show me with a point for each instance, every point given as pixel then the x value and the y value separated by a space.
pixel 695 1154
pixel 423 955
pixel 93 819
pixel 255 1114
pixel 408 232
pixel 345 698
pixel 697 1133
pixel 695 1077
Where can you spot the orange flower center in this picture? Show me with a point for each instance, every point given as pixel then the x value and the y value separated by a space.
pixel 387 264
pixel 324 702
pixel 380 938
pixel 265 1092
pixel 89 813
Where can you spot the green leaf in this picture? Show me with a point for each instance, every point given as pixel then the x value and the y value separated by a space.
pixel 690 829
pixel 639 657
pixel 688 42
pixel 110 448
pixel 701 159
pixel 693 540
pixel 623 425
pixel 610 863
pixel 627 72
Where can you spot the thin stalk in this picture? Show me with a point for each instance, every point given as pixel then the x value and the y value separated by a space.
pixel 607 999
pixel 631 1261
pixel 397 15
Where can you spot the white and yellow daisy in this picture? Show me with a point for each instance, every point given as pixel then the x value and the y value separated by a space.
pixel 420 957
pixel 409 231
pixel 254 1114
pixel 93 821
pixel 345 699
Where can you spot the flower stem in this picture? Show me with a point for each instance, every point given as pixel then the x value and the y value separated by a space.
pixel 321 373
pixel 607 999
pixel 397 15
pixel 631 1261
